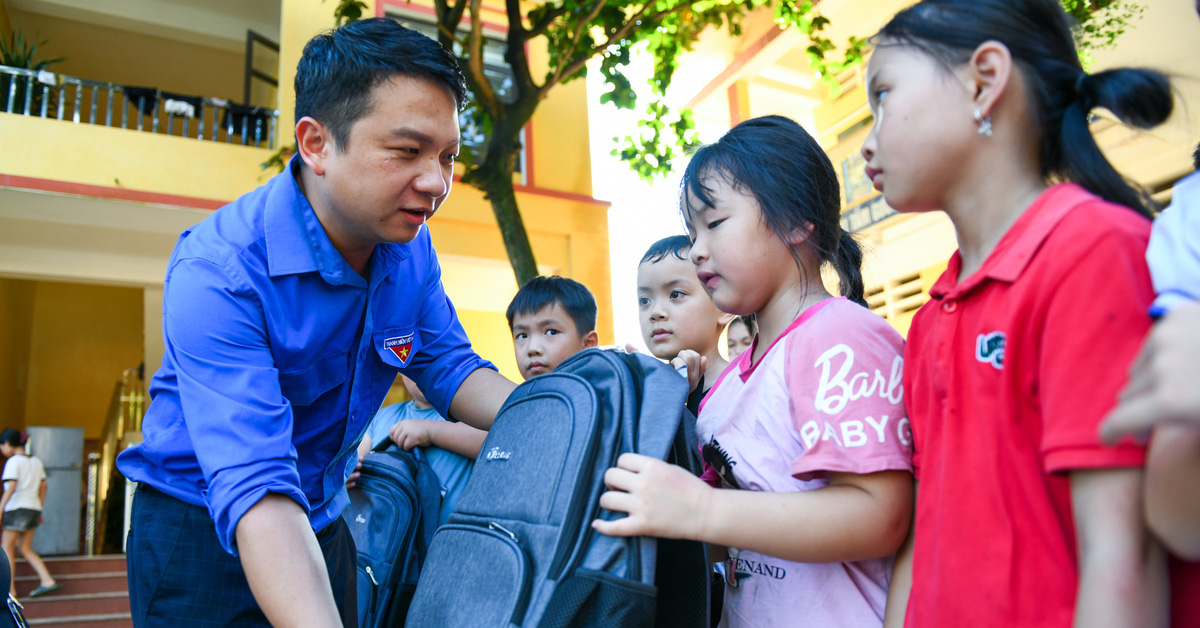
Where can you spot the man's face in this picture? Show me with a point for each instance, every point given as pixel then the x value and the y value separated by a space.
pixel 544 339
pixel 396 168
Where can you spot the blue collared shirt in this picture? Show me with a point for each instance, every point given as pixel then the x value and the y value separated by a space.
pixel 278 354
pixel 1174 251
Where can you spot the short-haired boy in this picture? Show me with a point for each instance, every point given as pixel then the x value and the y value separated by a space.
pixel 552 318
pixel 675 312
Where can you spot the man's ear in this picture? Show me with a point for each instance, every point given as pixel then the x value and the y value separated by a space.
pixel 314 143
pixel 725 318
pixel 988 73
pixel 591 339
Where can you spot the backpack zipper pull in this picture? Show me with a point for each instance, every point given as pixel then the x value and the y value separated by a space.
pixel 371 575
pixel 500 528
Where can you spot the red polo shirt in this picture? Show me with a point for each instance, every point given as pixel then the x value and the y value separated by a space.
pixel 1007 376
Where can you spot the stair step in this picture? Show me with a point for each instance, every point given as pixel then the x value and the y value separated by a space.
pixel 74 564
pixel 101 582
pixel 109 620
pixel 56 605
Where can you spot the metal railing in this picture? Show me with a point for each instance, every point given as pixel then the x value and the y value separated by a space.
pixel 124 415
pixel 48 95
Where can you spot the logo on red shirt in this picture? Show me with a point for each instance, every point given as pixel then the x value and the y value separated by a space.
pixel 401 346
pixel 989 349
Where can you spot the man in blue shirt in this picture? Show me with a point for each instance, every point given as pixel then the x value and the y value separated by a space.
pixel 287 315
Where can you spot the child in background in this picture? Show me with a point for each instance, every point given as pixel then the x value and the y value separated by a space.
pixel 810 421
pixel 552 318
pixel 24 495
pixel 1023 517
pixel 450 447
pixel 739 335
pixel 676 314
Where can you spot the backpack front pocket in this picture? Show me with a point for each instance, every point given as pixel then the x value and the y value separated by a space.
pixel 498 593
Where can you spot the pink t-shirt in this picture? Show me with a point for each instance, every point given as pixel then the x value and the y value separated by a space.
pixel 826 396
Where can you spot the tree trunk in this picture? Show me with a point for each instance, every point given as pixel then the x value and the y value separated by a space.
pixel 496 182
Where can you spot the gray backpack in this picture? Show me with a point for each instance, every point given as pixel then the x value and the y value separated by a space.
pixel 519 549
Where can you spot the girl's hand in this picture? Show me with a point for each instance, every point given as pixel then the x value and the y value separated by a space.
pixel 411 433
pixel 695 364
pixel 661 499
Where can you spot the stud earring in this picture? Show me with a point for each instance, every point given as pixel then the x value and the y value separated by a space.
pixel 984 122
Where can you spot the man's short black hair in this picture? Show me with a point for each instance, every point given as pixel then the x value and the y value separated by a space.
pixel 340 67
pixel 546 290
pixel 677 245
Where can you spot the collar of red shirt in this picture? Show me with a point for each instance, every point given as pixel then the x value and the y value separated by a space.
pixel 1014 251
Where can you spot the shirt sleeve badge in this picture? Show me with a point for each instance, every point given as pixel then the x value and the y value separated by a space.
pixel 401 347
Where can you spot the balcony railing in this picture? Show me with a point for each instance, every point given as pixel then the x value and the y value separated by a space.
pixel 48 95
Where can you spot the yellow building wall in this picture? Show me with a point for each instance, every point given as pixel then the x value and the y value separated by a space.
pixel 492 340
pixel 81 338
pixel 119 158
pixel 100 53
pixel 16 320
pixel 5 24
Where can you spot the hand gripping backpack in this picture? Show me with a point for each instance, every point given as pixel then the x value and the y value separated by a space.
pixel 519 549
pixel 392 514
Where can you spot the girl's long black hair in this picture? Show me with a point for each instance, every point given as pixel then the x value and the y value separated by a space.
pixel 777 162
pixel 1038 34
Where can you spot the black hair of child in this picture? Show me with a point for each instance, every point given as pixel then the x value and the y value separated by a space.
pixel 13 438
pixel 340 67
pixel 747 321
pixel 546 290
pixel 776 161
pixel 676 245
pixel 1038 35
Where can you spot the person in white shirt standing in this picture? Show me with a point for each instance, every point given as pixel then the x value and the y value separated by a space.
pixel 24 493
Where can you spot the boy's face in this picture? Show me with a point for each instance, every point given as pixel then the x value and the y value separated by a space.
pixel 544 339
pixel 674 311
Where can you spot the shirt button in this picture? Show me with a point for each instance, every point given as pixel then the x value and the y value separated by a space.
pixel 949 306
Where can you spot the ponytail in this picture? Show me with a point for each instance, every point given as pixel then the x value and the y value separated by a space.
pixel 848 264
pixel 1138 97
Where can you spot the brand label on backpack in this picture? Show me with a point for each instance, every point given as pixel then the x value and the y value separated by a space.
pixel 495 454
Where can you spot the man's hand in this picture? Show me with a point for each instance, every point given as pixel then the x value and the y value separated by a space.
pixel 1162 384
pixel 284 565
pixel 411 433
pixel 661 499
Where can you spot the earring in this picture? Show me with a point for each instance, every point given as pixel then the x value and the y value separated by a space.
pixel 984 122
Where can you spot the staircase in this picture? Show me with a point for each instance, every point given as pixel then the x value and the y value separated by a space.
pixel 94 593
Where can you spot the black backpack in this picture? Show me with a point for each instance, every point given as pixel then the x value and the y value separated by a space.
pixel 392 514
pixel 519 549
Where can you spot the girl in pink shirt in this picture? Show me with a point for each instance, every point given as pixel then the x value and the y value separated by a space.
pixel 809 421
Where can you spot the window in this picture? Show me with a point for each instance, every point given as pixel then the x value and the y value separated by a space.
pixel 495 68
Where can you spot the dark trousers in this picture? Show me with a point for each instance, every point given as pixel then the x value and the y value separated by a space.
pixel 180 576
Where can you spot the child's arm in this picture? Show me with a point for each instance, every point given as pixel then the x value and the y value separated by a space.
pixel 459 438
pixel 901 584
pixel 1122 571
pixel 857 517
pixel 1172 501
pixel 10 487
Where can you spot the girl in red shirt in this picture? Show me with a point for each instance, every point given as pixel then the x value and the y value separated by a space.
pixel 1023 517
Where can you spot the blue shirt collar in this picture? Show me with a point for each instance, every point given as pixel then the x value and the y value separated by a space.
pixel 297 243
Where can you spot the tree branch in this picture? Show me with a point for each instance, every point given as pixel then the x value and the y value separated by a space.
pixel 482 88
pixel 578 35
pixel 578 64
pixel 545 22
